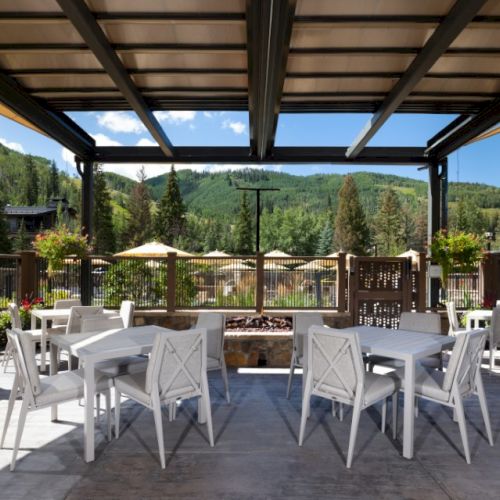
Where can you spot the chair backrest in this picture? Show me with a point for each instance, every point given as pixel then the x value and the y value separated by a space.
pixel 177 364
pixel 452 317
pixel 215 324
pixel 64 304
pixel 15 317
pixel 336 363
pixel 127 309
pixel 301 322
pixel 495 326
pixel 420 322
pixel 24 360
pixel 465 361
pixel 100 323
pixel 77 313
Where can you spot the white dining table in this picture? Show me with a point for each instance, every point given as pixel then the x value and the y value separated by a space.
pixel 474 317
pixel 46 315
pixel 91 348
pixel 408 347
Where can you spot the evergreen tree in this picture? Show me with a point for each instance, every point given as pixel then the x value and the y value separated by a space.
pixel 104 235
pixel 243 237
pixel 325 239
pixel 139 228
pixel 5 243
pixel 351 230
pixel 389 225
pixel 420 235
pixel 170 219
pixel 53 185
pixel 32 182
pixel 22 240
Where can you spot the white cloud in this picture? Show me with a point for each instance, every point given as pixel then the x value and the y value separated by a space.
pixel 12 145
pixel 104 140
pixel 120 121
pixel 208 114
pixel 175 117
pixel 68 157
pixel 237 127
pixel 144 141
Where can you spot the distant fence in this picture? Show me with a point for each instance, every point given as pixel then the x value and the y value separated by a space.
pixel 465 289
pixel 9 278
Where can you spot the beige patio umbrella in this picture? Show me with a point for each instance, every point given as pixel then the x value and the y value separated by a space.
pixel 218 261
pixel 272 266
pixel 237 266
pixel 95 262
pixel 415 257
pixel 335 255
pixel 277 253
pixel 313 265
pixel 152 249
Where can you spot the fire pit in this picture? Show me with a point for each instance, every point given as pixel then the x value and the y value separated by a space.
pixel 259 324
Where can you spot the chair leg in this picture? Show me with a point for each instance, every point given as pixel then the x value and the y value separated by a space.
pixel 290 377
pixel 493 348
pixel 159 428
pixel 225 380
pixel 107 395
pixel 462 426
pixel 172 411
pixel 19 433
pixel 98 406
pixel 117 412
pixel 384 415
pixel 334 409
pixel 484 407
pixel 356 413
pixel 341 412
pixel 12 400
pixel 395 415
pixel 208 411
pixel 306 399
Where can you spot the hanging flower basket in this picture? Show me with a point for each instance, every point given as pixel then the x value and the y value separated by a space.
pixel 56 244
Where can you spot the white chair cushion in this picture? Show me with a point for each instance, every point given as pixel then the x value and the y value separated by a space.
pixel 133 385
pixel 429 361
pixel 428 382
pixel 378 387
pixel 122 366
pixel 68 386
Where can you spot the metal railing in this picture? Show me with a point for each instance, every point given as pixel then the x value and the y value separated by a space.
pixel 465 289
pixel 9 279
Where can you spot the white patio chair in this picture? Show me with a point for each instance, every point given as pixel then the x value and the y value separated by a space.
pixel 77 313
pixel 127 309
pixel 336 372
pixel 453 319
pixel 301 322
pixel 215 324
pixel 494 335
pixel 415 322
pixel 177 370
pixel 60 324
pixel 462 379
pixel 38 393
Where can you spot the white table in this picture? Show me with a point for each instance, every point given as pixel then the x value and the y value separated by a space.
pixel 406 346
pixel 94 347
pixel 46 315
pixel 474 317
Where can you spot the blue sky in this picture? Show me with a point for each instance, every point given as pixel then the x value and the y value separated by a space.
pixel 477 162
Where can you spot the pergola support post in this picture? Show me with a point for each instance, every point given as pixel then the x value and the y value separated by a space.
pixel 87 174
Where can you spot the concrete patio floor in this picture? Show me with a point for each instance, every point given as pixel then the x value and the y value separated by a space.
pixel 256 455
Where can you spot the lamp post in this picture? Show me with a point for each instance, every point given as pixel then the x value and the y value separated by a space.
pixel 490 236
pixel 257 210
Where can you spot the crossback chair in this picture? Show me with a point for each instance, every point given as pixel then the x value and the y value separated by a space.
pixel 127 309
pixel 177 370
pixel 455 327
pixel 38 393
pixel 77 313
pixel 494 335
pixel 461 380
pixel 336 372
pixel 60 324
pixel 301 322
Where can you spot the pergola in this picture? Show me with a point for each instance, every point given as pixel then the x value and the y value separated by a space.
pixel 267 57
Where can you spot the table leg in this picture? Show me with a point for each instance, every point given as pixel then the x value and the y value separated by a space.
pixel 89 396
pixel 33 321
pixel 53 371
pixel 202 414
pixel 409 409
pixel 43 346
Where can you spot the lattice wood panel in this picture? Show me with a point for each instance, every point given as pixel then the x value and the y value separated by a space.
pixel 381 313
pixel 380 275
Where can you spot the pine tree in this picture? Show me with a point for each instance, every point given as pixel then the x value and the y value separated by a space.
pixel 22 240
pixel 420 235
pixel 325 239
pixel 5 243
pixel 53 185
pixel 389 224
pixel 243 237
pixel 32 182
pixel 104 235
pixel 170 219
pixel 139 228
pixel 351 230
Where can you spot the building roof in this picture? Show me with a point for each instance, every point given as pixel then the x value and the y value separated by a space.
pixel 10 210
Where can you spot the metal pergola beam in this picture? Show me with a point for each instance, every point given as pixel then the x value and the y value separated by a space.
pixel 55 124
pixel 243 155
pixel 85 23
pixel 456 135
pixel 269 29
pixel 460 15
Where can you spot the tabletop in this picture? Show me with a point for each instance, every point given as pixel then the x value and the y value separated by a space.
pixel 480 314
pixel 60 313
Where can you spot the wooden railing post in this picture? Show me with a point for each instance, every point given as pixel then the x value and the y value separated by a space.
pixel 86 281
pixel 27 274
pixel 171 281
pixel 259 283
pixel 341 282
pixel 422 283
pixel 488 277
